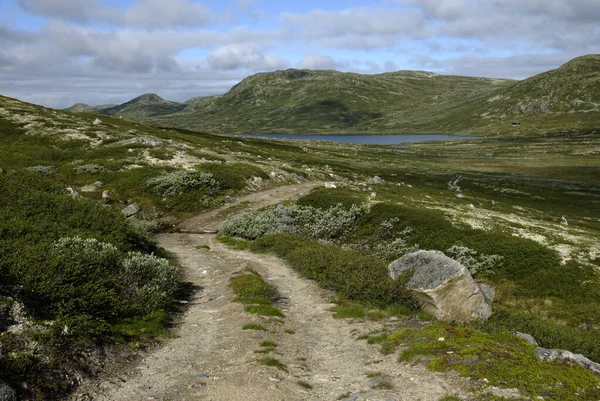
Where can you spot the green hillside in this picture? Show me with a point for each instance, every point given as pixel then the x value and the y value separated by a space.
pixel 304 101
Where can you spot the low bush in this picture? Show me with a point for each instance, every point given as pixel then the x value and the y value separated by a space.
pixel 317 223
pixel 178 182
pixel 353 276
pixel 233 176
pixel 323 198
pixel 90 169
pixel 82 273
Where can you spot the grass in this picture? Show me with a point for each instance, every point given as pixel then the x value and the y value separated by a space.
pixel 258 295
pixel 254 326
pixel 234 243
pixel 450 398
pixel 272 362
pixel 263 310
pixel 500 357
pixel 304 385
pixel 348 311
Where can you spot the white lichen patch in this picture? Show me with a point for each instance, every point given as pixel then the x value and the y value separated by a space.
pixel 180 159
pixel 69 134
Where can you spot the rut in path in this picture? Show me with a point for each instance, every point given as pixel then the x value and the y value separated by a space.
pixel 212 358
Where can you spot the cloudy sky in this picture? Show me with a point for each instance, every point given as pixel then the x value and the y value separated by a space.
pixel 59 52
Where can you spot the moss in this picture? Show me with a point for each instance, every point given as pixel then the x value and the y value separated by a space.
pixel 273 362
pixel 263 310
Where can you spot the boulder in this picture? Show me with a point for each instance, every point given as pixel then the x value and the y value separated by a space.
pixel 7 393
pixel 130 210
pixel 444 287
pixel 97 121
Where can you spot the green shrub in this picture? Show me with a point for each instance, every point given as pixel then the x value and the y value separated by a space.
pixel 316 223
pixel 43 170
pixel 324 198
pixel 353 276
pixel 90 169
pixel 149 282
pixel 233 176
pixel 177 182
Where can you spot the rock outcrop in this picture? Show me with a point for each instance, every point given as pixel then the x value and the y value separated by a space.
pixel 444 286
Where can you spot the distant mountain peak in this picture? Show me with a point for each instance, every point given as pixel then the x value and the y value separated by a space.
pixel 148 98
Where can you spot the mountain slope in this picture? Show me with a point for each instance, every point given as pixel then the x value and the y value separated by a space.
pixel 566 97
pixel 305 101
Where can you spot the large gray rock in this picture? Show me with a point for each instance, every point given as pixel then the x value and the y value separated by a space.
pixel 7 393
pixel 444 286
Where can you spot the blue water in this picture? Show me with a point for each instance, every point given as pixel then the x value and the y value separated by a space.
pixel 364 139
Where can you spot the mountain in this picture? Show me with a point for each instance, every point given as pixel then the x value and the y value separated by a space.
pixel 305 101
pixel 82 107
pixel 143 107
pixel 566 97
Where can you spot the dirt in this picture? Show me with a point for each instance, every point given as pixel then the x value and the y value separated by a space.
pixel 212 358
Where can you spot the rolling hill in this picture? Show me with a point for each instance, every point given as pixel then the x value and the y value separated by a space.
pixel 305 101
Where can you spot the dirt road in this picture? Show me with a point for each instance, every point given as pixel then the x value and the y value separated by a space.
pixel 213 358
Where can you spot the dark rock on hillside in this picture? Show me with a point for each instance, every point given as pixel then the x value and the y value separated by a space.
pixel 443 285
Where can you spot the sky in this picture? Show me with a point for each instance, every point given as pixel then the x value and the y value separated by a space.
pixel 61 52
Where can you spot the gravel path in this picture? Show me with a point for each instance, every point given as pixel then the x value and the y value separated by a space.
pixel 212 358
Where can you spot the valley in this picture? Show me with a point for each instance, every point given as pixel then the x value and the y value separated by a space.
pixel 124 228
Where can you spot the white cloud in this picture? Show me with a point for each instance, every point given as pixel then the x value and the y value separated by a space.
pixel 234 57
pixel 151 14
pixel 317 61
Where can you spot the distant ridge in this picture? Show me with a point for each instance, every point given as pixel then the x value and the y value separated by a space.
pixel 314 101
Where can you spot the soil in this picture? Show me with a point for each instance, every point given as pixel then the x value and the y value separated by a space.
pixel 212 358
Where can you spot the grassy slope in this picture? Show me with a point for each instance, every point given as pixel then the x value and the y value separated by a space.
pixel 303 101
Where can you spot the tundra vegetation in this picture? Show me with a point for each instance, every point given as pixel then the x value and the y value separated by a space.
pixel 518 206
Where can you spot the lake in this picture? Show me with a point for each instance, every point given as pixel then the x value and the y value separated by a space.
pixel 364 139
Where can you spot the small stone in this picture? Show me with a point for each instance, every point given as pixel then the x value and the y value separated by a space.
pixel 441 339
pixel 97 121
pixel 130 210
pixel 72 191
pixel 527 337
pixel 202 376
pixel 93 187
pixel 106 194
